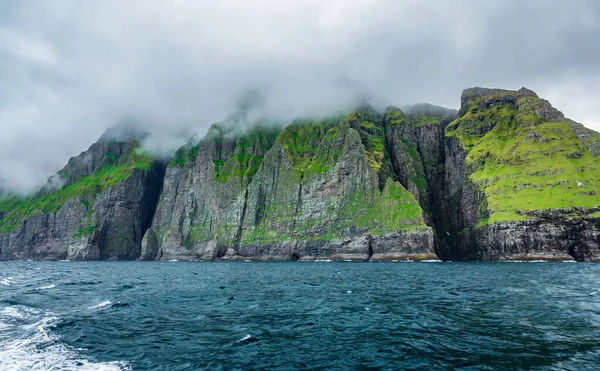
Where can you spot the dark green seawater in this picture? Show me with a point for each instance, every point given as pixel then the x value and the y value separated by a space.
pixel 299 315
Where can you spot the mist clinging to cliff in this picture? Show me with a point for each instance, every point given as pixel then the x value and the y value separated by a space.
pixel 71 69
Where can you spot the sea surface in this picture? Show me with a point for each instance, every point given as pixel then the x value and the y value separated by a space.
pixel 299 315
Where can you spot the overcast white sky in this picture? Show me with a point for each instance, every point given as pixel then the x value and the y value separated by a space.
pixel 70 69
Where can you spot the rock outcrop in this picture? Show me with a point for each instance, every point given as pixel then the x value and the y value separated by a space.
pixel 521 181
pixel 507 177
pixel 97 207
pixel 320 189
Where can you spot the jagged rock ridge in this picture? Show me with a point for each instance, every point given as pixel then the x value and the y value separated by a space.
pixel 505 177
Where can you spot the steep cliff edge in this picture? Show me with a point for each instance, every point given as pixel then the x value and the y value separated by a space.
pixel 97 207
pixel 321 189
pixel 522 181
pixel 507 177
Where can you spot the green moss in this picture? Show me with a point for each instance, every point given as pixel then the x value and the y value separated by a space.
pixel 240 166
pixel 523 164
pixel 371 130
pixel 373 212
pixel 424 119
pixel 395 117
pixel 395 209
pixel 249 152
pixel 179 158
pixel 301 141
pixel 476 123
pixel 18 209
pixel 111 158
pixel 199 232
pixel 85 231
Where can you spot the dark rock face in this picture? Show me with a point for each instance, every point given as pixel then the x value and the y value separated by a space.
pixel 507 177
pixel 47 236
pixel 546 239
pixel 149 246
pixel 462 207
pixel 108 225
pixel 125 212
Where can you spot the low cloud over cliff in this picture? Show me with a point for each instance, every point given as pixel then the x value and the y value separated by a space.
pixel 71 69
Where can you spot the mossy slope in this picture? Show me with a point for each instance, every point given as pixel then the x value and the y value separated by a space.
pixel 526 157
pixel 114 167
pixel 334 180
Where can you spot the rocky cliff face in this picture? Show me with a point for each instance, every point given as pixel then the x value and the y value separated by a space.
pixel 521 181
pixel 97 207
pixel 506 177
pixel 318 190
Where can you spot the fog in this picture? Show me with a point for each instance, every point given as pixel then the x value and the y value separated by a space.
pixel 71 69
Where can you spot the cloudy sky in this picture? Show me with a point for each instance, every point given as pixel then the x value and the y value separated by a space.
pixel 71 69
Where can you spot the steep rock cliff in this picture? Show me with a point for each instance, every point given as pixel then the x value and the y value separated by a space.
pixel 320 189
pixel 506 177
pixel 97 207
pixel 522 181
pixel 202 202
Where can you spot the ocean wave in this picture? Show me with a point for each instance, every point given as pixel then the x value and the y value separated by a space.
pixel 105 303
pixel 6 281
pixel 36 348
pixel 47 287
pixel 12 312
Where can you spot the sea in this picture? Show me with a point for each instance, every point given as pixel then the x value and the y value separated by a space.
pixel 299 315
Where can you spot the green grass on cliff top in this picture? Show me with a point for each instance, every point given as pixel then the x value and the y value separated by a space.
pixel 87 188
pixel 250 149
pixel 528 167
pixel 301 140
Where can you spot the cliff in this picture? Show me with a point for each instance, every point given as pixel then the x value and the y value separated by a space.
pixel 505 177
pixel 96 207
pixel 521 181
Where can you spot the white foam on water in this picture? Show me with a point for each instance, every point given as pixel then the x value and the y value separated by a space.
pixel 173 260
pixel 47 287
pixel 101 305
pixel 323 260
pixel 64 260
pixel 12 312
pixel 538 261
pixel 30 344
pixel 247 337
pixel 431 261
pixel 5 281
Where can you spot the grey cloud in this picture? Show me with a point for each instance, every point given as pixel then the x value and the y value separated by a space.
pixel 71 69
